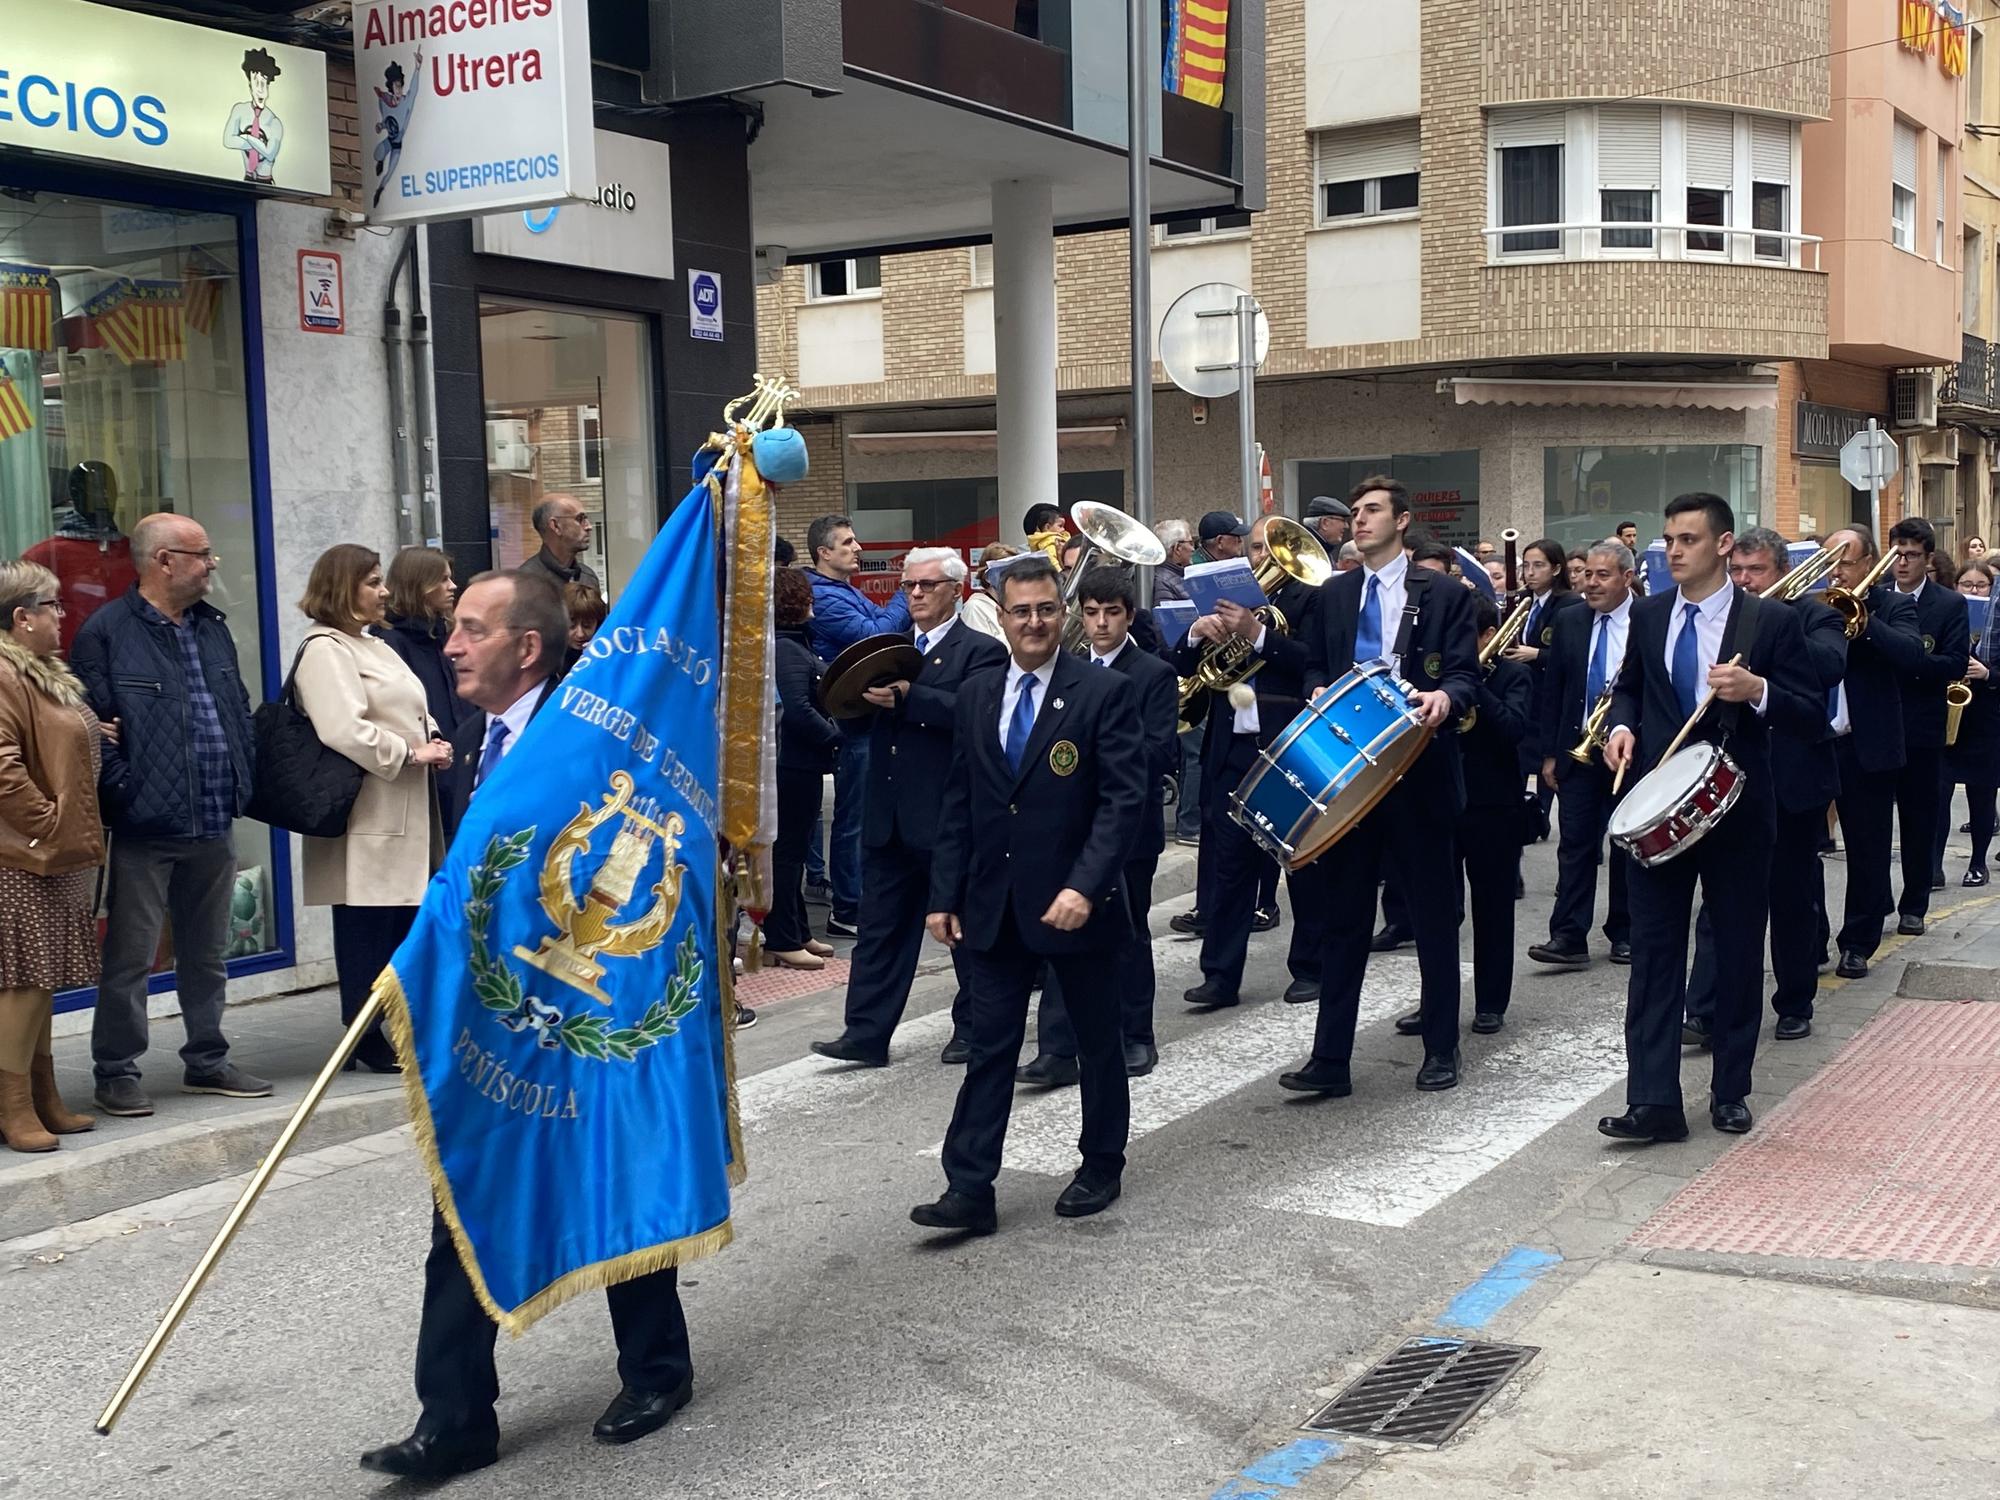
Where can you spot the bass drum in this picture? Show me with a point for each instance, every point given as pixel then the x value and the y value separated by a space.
pixel 1673 806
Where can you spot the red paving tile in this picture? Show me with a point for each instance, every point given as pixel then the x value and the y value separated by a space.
pixel 1891 1153
pixel 773 983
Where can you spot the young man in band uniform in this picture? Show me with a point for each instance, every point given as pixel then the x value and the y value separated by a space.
pixel 1947 641
pixel 1422 623
pixel 1681 646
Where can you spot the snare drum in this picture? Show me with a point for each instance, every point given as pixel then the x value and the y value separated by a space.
pixel 1333 762
pixel 1674 804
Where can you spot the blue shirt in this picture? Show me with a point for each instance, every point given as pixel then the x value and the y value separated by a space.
pixel 208 748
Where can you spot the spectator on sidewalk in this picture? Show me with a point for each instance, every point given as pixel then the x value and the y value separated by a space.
pixel 982 610
pixel 365 704
pixel 808 743
pixel 587 610
pixel 51 846
pixel 421 592
pixel 1170 576
pixel 842 615
pixel 159 663
pixel 565 532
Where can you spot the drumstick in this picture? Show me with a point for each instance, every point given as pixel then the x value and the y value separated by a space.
pixel 1700 708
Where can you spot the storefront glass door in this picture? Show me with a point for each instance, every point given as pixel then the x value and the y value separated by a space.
pixel 569 411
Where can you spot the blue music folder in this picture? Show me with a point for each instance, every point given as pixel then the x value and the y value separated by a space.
pixel 1227 578
pixel 1173 617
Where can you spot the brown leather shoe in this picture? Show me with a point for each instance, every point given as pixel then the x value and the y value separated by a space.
pixel 48 1100
pixel 18 1122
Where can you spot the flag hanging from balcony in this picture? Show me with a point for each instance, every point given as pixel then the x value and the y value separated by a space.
pixel 1197 51
pixel 140 320
pixel 28 307
pixel 203 280
pixel 15 415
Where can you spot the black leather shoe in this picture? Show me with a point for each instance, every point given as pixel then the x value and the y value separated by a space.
pixel 1302 992
pixel 432 1455
pixel 1190 922
pixel 1559 958
pixel 1263 919
pixel 1697 1031
pixel 1388 940
pixel 1647 1123
pixel 1486 1022
pixel 1140 1059
pixel 1621 953
pixel 1520 888
pixel 844 1049
pixel 1851 966
pixel 1439 1072
pixel 1210 995
pixel 958 1213
pixel 1910 926
pixel 634 1413
pixel 1974 876
pixel 957 1052
pixel 1731 1116
pixel 1792 1028
pixel 1319 1076
pixel 1047 1071
pixel 1087 1195
pixel 1410 1023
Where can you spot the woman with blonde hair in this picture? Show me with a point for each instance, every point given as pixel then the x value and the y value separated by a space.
pixel 982 610
pixel 421 594
pixel 367 705
pixel 51 845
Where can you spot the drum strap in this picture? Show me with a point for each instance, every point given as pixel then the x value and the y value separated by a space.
pixel 1416 581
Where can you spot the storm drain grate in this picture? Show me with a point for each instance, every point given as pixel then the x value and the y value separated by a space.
pixel 1423 1392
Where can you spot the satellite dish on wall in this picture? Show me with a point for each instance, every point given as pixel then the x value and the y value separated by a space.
pixel 1198 339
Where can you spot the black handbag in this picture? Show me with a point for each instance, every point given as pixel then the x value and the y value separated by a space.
pixel 300 785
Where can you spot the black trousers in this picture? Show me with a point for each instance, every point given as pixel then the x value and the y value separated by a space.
pixel 365 938
pixel 897 880
pixel 1396 910
pixel 1236 864
pixel 1798 890
pixel 998 980
pixel 1307 889
pixel 1583 813
pixel 1414 843
pixel 1733 865
pixel 1489 862
pixel 1054 1033
pixel 1916 825
pixel 1979 805
pixel 1867 805
pixel 1267 885
pixel 456 1381
pixel 788 927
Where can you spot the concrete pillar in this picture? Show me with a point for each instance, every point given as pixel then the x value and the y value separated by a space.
pixel 1024 347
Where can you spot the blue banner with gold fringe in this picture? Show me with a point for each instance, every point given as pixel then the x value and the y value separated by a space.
pixel 559 1006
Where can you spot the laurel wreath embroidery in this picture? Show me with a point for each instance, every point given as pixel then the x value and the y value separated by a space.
pixel 584 1034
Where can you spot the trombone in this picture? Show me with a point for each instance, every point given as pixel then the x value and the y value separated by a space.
pixel 1109 532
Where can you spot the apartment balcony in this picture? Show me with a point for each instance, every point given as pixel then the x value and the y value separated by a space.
pixel 1971 384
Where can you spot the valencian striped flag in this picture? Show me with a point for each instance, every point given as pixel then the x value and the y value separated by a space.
pixel 16 416
pixel 140 320
pixel 1197 52
pixel 203 280
pixel 560 1005
pixel 29 304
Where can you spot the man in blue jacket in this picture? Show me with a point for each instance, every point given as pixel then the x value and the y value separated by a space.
pixel 842 615
pixel 161 664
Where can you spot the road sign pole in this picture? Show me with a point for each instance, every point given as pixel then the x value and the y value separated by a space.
pixel 1246 412
pixel 1874 487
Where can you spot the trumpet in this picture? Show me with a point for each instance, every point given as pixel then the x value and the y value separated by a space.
pixel 1852 604
pixel 1509 631
pixel 1291 553
pixel 1594 732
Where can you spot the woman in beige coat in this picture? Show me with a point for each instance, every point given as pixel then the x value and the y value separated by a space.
pixel 367 705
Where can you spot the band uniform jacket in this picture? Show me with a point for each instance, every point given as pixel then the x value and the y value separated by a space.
pixel 1975 758
pixel 1562 678
pixel 1067 820
pixel 1946 639
pixel 467 745
pixel 1491 748
pixel 1878 660
pixel 1644 700
pixel 1804 765
pixel 911 743
pixel 1442 656
pixel 1158 691
pixel 1279 683
pixel 1536 746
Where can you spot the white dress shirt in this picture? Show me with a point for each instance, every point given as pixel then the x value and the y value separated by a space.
pixel 515 717
pixel 1390 594
pixel 1012 695
pixel 1710 620
pixel 1107 660
pixel 935 634
pixel 1619 623
pixel 1914 593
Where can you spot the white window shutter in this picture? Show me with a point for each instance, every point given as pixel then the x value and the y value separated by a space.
pixel 1628 146
pixel 1526 127
pixel 1903 168
pixel 1770 149
pixel 1711 148
pixel 1365 151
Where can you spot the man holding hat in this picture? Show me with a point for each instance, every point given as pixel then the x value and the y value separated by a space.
pixel 1327 518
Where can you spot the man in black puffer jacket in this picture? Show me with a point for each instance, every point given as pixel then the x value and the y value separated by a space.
pixel 159 662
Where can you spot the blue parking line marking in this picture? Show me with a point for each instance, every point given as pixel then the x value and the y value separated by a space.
pixel 1516 1271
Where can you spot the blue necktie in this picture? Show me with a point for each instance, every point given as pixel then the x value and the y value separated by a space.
pixel 1020 724
pixel 1833 703
pixel 1102 661
pixel 1687 661
pixel 1528 636
pixel 923 644
pixel 489 758
pixel 1368 630
pixel 1593 686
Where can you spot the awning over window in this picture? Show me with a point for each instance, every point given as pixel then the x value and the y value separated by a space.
pixel 1705 395
pixel 976 441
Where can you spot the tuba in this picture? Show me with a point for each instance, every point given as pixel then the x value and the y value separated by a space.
pixel 1291 554
pixel 1107 532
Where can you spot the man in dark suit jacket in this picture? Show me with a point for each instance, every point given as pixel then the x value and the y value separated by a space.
pixel 1682 645
pixel 1109 603
pixel 1040 811
pixel 1422 623
pixel 1232 863
pixel 1947 641
pixel 1808 778
pixel 910 740
pixel 1865 713
pixel 1581 658
pixel 505 647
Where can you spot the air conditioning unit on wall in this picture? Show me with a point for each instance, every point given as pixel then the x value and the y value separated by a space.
pixel 1913 398
pixel 507 447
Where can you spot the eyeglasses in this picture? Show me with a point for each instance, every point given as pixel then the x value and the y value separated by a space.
pixel 1027 612
pixel 206 554
pixel 54 604
pixel 920 585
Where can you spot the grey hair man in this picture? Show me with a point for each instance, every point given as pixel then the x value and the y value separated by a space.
pixel 565 532
pixel 1348 558
pixel 161 664
pixel 1329 519
pixel 1170 576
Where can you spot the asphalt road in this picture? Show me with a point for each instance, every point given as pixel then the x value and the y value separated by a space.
pixel 1265 1246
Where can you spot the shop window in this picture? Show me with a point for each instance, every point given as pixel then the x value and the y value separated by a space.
pixel 568 398
pixel 123 390
pixel 958 512
pixel 844 278
pixel 1587 491
pixel 1444 487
